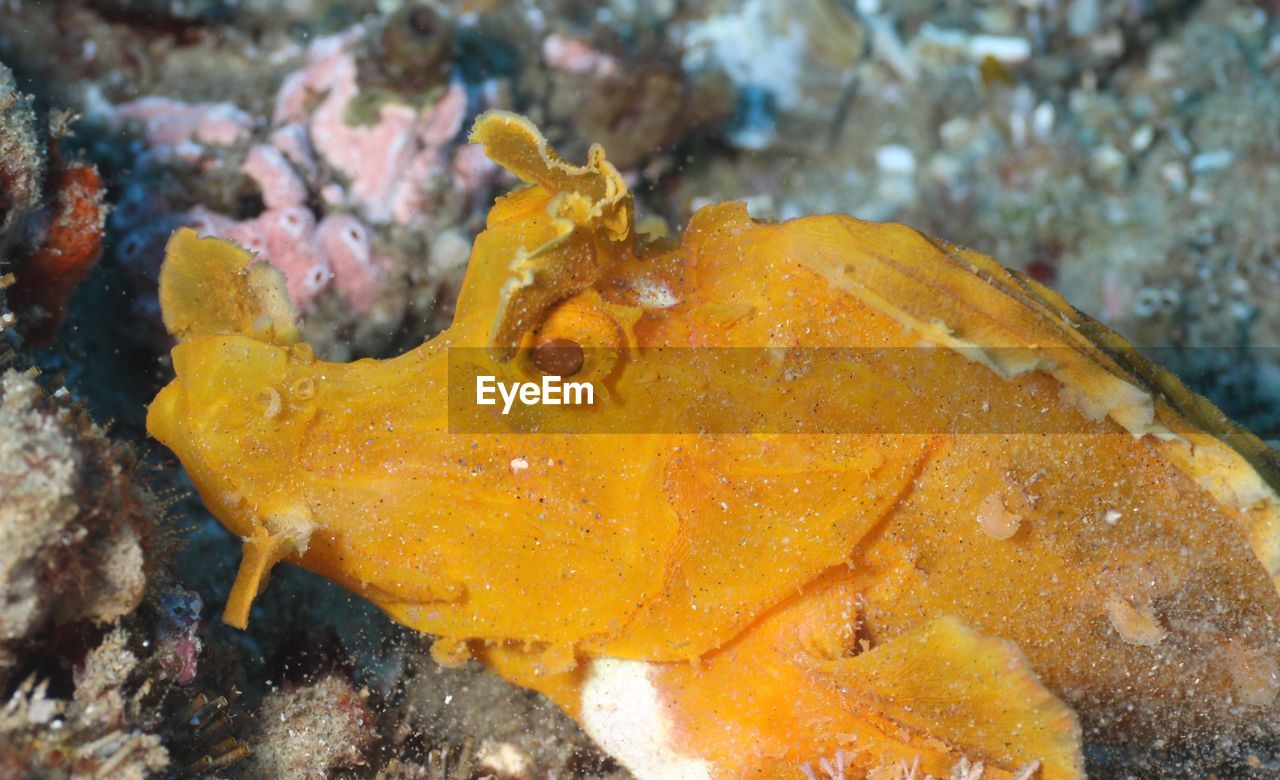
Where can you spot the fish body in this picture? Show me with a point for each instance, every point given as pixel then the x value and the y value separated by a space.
pixel 962 522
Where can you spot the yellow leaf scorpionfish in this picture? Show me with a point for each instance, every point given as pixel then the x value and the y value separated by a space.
pixel 1036 538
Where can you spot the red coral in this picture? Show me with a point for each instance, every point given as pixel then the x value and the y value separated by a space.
pixel 73 243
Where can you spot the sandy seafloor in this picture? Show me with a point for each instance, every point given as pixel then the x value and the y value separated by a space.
pixel 1125 152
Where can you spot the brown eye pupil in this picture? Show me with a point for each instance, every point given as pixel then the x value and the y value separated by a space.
pixel 558 357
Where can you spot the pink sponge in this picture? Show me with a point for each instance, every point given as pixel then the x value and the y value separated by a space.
pixel 357 274
pixel 311 256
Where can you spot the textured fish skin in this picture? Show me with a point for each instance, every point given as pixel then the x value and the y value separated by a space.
pixel 957 586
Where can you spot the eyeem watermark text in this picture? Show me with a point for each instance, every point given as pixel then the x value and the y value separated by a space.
pixel 551 391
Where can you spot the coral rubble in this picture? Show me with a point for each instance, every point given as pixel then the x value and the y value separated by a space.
pixel 312 731
pixel 72 523
pixel 21 155
pixel 88 736
pixel 74 531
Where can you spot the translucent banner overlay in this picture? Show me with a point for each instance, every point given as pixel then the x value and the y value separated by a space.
pixel 802 390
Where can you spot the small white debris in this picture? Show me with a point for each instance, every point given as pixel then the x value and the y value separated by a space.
pixel 1174 175
pixel 956 133
pixel 1006 49
pixel 505 759
pixel 1135 625
pixel 653 295
pixel 964 769
pixel 1027 771
pixel 40 708
pixel 450 251
pixel 1106 159
pixel 1042 119
pixel 1142 138
pixel 896 159
pixel 1214 160
pixel 1111 516
pixel 269 399
pixel 519 464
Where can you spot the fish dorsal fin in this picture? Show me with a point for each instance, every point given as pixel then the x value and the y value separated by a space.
pixel 969 303
pixel 209 287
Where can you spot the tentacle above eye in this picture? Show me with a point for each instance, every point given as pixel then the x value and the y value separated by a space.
pixel 574 222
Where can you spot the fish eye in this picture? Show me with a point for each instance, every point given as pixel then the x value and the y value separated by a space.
pixel 558 357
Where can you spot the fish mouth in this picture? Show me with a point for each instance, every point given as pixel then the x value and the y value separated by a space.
pixel 164 413
pixel 169 422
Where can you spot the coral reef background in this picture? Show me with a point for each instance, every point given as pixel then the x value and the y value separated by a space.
pixel 1126 152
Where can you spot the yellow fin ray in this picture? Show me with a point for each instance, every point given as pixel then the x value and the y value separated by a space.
pixel 281 536
pixel 979 693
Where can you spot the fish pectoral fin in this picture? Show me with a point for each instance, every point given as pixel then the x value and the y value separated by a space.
pixel 944 681
pixel 280 536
